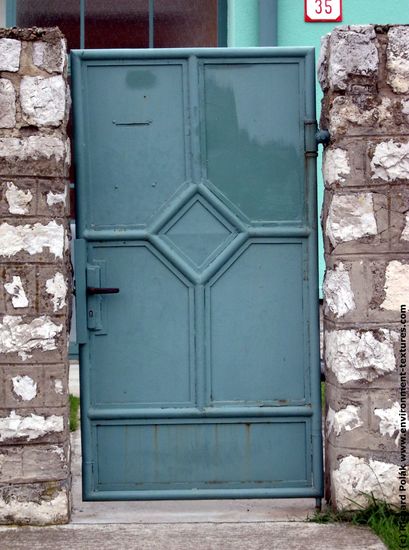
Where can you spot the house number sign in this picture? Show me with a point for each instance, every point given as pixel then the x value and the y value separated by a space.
pixel 322 11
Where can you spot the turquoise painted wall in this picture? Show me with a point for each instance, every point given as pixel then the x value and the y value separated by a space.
pixel 293 31
pixel 242 23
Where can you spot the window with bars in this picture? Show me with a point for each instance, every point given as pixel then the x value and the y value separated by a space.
pixel 127 23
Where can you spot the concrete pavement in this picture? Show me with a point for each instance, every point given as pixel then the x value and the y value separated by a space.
pixel 188 536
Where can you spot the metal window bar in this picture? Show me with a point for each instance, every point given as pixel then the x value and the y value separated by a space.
pixel 11 21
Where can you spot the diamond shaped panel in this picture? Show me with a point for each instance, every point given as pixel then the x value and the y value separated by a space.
pixel 199 233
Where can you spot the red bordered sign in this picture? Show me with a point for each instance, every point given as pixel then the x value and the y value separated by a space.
pixel 322 11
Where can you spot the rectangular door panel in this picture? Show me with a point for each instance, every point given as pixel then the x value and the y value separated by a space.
pixel 136 112
pixel 196 454
pixel 258 356
pixel 143 354
pixel 253 137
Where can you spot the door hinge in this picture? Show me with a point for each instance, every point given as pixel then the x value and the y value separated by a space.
pixel 310 142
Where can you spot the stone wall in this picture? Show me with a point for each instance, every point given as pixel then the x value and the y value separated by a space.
pixel 364 73
pixel 35 277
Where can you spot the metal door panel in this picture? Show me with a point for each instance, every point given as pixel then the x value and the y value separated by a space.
pixel 135 112
pixel 196 455
pixel 251 109
pixel 154 311
pixel 255 358
pixel 196 198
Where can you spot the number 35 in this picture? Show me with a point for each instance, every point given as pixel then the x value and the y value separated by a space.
pixel 319 7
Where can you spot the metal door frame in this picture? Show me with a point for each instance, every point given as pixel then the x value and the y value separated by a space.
pixel 305 56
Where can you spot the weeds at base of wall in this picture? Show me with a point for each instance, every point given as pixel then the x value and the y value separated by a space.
pixel 384 519
pixel 74 412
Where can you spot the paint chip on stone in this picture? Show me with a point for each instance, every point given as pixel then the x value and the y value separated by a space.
pixel 390 421
pixel 405 233
pixel 7 104
pixel 24 387
pixel 339 297
pixel 16 290
pixel 55 198
pixel 345 419
pixel 396 285
pixel 351 217
pixel 57 287
pixel 32 239
pixel 360 355
pixel 336 166
pixel 390 161
pixel 18 199
pixel 58 386
pixel 357 477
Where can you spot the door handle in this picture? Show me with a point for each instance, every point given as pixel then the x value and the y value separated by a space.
pixel 97 290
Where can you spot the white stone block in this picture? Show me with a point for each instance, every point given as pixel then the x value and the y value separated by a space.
pixel 390 161
pixel 43 100
pixel 351 217
pixel 360 354
pixel 397 59
pixel 10 54
pixel 356 478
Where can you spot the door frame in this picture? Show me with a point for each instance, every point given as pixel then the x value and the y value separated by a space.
pixel 310 149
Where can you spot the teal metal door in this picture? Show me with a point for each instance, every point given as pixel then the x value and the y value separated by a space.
pixel 196 270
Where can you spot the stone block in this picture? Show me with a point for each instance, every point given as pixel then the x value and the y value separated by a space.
pixel 385 416
pixel 34 425
pixel 43 100
pixel 32 339
pixel 35 155
pixel 389 161
pixel 355 474
pixel 355 291
pixel 360 355
pixel 34 463
pixel 18 196
pixel 397 59
pixel 23 386
pixel 353 56
pixel 10 54
pixel 7 104
pixel 399 219
pixel 33 242
pixel 50 57
pixel 349 420
pixel 356 222
pixel 35 503
pixel 55 385
pixel 366 114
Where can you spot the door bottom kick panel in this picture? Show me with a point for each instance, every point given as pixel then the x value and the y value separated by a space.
pixel 229 454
